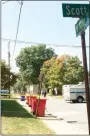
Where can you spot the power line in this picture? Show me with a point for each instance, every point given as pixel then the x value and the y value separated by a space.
pixel 17 27
pixel 36 43
pixel 5 1
pixel 19 2
pixel 9 0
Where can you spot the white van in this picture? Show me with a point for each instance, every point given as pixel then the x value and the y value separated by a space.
pixel 74 93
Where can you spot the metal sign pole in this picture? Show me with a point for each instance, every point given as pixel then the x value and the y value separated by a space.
pixel 86 77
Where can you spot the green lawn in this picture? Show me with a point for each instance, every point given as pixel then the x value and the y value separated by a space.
pixel 16 120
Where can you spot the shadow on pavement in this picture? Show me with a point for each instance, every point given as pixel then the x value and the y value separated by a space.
pixel 74 102
pixel 50 117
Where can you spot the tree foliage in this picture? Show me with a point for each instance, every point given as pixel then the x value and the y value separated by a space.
pixel 20 85
pixel 30 61
pixel 5 72
pixel 62 70
pixel 74 72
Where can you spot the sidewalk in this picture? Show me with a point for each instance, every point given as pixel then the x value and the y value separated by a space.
pixel 59 126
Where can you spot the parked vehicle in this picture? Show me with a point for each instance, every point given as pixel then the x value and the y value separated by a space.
pixel 74 93
pixel 4 92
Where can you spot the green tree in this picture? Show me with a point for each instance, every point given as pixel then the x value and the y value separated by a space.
pixel 30 61
pixel 74 71
pixel 53 71
pixel 20 85
pixel 62 70
pixel 5 72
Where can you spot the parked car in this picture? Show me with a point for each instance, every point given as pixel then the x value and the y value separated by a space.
pixel 4 91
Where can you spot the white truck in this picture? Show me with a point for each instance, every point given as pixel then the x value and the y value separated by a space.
pixel 74 93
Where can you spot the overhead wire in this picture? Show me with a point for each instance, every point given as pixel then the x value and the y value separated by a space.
pixel 19 2
pixel 36 43
pixel 17 28
pixel 5 1
pixel 9 0
pixel 25 42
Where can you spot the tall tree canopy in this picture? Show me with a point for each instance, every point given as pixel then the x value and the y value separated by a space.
pixel 62 70
pixel 20 85
pixel 5 72
pixel 30 61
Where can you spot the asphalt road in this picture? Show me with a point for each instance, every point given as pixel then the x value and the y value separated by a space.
pixel 73 113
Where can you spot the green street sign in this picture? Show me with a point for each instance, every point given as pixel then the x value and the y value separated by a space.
pixel 82 24
pixel 75 10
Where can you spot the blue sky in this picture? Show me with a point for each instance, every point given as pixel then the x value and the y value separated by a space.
pixel 41 22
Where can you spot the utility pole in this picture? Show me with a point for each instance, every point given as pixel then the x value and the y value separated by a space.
pixel 9 65
pixel 86 76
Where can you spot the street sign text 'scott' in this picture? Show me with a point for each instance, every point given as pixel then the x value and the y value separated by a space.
pixel 80 11
pixel 75 10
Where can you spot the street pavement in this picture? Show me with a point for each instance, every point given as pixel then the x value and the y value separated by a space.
pixel 63 118
pixel 59 126
pixel 74 114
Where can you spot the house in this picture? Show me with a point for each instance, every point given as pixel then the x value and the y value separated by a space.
pixel 33 89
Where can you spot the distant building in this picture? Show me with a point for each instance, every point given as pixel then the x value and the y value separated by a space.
pixel 34 89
